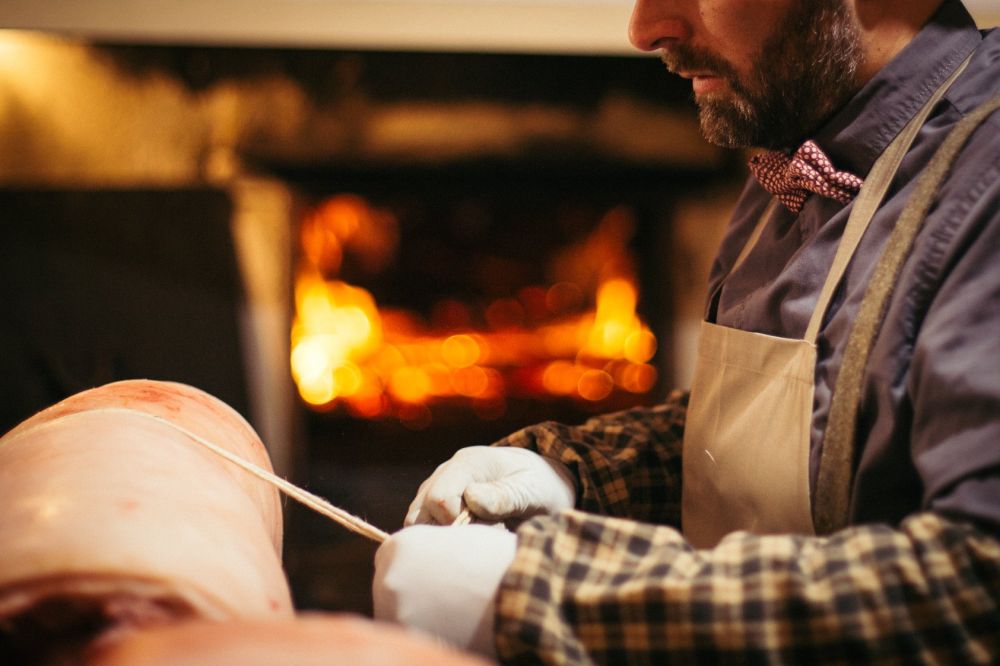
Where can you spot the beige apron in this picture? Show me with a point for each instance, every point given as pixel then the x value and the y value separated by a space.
pixel 747 436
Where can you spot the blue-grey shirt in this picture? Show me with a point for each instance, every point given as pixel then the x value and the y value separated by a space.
pixel 929 430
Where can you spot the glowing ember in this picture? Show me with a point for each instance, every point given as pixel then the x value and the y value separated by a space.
pixel 346 351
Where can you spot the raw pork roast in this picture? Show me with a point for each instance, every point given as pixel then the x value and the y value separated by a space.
pixel 111 521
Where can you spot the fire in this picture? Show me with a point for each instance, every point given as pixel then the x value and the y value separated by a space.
pixel 375 362
pixel 337 326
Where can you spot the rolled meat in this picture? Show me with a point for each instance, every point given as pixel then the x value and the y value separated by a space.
pixel 112 518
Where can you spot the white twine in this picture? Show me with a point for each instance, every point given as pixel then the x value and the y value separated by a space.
pixel 301 495
pixel 314 502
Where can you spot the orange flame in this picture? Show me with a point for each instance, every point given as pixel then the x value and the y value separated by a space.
pixel 345 350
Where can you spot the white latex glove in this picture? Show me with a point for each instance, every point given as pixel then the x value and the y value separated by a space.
pixel 443 581
pixel 496 483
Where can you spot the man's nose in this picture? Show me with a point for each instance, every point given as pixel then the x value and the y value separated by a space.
pixel 656 23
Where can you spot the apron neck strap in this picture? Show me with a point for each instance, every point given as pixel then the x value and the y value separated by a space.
pixel 869 199
pixel 867 202
pixel 748 246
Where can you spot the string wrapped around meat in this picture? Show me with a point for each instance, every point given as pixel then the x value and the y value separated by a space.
pixel 111 519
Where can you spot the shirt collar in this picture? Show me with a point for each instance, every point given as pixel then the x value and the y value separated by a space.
pixel 861 130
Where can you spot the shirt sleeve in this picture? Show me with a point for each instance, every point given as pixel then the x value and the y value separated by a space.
pixel 589 589
pixel 954 380
pixel 626 464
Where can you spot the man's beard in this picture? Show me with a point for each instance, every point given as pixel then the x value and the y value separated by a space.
pixel 802 74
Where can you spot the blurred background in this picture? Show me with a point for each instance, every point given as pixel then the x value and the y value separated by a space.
pixel 380 230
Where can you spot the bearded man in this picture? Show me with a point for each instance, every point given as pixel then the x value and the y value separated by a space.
pixel 829 489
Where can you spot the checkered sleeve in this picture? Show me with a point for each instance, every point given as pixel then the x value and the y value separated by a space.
pixel 627 464
pixel 586 589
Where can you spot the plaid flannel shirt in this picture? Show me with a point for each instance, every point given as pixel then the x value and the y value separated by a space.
pixel 625 587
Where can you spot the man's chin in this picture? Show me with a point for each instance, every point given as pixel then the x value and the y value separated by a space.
pixel 722 124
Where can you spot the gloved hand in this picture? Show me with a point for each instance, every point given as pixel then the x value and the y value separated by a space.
pixel 496 483
pixel 443 581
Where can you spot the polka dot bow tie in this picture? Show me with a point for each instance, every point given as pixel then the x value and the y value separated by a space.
pixel 793 178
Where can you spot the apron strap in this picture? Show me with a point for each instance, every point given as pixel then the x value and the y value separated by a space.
pixel 869 199
pixel 867 202
pixel 755 235
pixel 832 497
pixel 748 246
